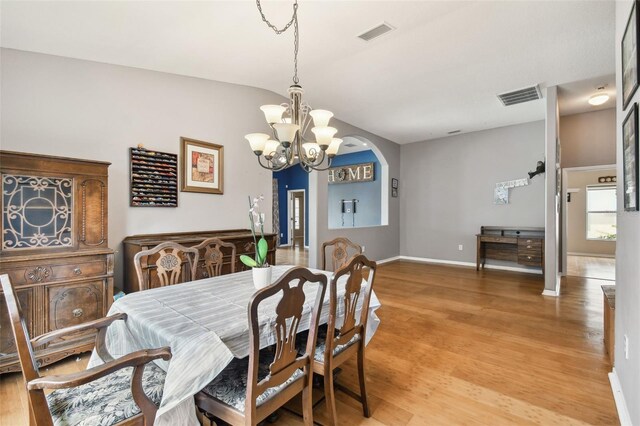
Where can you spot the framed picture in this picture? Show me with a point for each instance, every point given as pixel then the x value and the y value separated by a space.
pixel 394 192
pixel 630 159
pixel 394 183
pixel 630 56
pixel 201 166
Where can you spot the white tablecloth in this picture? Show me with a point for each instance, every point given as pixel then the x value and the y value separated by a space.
pixel 206 325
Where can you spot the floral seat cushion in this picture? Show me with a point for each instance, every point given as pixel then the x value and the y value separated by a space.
pixel 106 401
pixel 230 386
pixel 321 343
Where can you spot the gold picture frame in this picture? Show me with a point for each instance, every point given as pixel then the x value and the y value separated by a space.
pixel 201 166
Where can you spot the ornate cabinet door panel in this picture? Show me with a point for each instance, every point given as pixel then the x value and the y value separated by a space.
pixel 7 342
pixel 92 220
pixel 73 304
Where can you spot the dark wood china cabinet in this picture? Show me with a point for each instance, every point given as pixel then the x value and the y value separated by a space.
pixel 54 248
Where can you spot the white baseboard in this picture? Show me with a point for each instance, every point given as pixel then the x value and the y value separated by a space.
pixel 469 264
pixel 618 396
pixel 609 256
pixel 387 260
pixel 551 293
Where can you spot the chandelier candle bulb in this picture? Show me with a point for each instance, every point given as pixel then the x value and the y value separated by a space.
pixel 334 146
pixel 257 141
pixel 321 117
pixel 286 131
pixel 273 113
pixel 270 148
pixel 324 135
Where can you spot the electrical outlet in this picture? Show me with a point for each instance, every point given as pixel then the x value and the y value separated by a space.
pixel 626 347
pixel 460 247
pixel 363 249
pixel 281 235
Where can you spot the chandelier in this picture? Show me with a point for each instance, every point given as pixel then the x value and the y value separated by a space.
pixel 289 123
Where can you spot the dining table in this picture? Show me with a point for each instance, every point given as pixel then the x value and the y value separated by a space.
pixel 205 323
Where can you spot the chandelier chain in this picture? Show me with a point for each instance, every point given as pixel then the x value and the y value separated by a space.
pixel 294 22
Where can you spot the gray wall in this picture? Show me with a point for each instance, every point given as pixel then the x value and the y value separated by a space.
pixel 577 214
pixel 627 256
pixel 447 189
pixel 588 139
pixel 67 107
pixel 61 106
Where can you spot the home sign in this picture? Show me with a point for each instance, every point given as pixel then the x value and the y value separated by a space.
pixel 351 174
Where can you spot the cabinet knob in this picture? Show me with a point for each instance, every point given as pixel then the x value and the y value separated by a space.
pixel 528 246
pixel 77 312
pixel 77 271
pixel 529 257
pixel 528 241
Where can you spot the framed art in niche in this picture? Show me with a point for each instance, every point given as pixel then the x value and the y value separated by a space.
pixel 201 166
pixel 630 58
pixel 630 159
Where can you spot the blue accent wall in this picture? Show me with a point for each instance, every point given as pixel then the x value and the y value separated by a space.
pixel 368 194
pixel 290 179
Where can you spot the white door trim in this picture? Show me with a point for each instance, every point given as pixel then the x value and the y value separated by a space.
pixel 290 215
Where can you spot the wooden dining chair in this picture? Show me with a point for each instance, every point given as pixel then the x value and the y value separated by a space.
pixel 340 340
pixel 214 256
pixel 342 250
pixel 250 389
pixel 175 264
pixel 120 391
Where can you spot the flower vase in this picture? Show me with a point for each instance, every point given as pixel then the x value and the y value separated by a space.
pixel 261 277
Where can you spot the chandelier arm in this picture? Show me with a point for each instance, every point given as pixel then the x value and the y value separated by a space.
pixel 319 169
pixel 272 168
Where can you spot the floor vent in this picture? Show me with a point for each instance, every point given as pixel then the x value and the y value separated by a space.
pixel 520 96
pixel 376 31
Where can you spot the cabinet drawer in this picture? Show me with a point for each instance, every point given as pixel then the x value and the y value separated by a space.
pixel 530 260
pixel 72 304
pixel 43 272
pixel 497 239
pixel 529 243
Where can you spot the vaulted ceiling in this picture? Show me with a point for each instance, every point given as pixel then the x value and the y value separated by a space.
pixel 439 71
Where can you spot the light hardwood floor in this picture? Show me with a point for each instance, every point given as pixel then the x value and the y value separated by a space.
pixel 603 268
pixel 292 256
pixel 456 346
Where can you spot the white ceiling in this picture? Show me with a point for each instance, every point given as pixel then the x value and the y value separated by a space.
pixel 440 70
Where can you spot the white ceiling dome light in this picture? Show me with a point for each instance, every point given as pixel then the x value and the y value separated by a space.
pixel 599 98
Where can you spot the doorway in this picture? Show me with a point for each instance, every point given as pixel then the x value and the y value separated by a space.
pixel 589 222
pixel 297 224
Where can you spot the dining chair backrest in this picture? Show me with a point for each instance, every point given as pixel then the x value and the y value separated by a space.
pixel 37 400
pixel 288 313
pixel 360 274
pixel 175 263
pixel 214 256
pixel 342 250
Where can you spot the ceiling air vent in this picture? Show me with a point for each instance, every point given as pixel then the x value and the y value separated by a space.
pixel 376 31
pixel 453 132
pixel 519 96
pixel 350 145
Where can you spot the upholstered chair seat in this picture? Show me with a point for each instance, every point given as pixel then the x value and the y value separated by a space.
pixel 321 344
pixel 230 386
pixel 106 401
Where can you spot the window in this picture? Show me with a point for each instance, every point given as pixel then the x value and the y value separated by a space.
pixel 601 212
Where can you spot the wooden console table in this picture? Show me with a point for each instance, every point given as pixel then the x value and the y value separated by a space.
pixel 524 245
